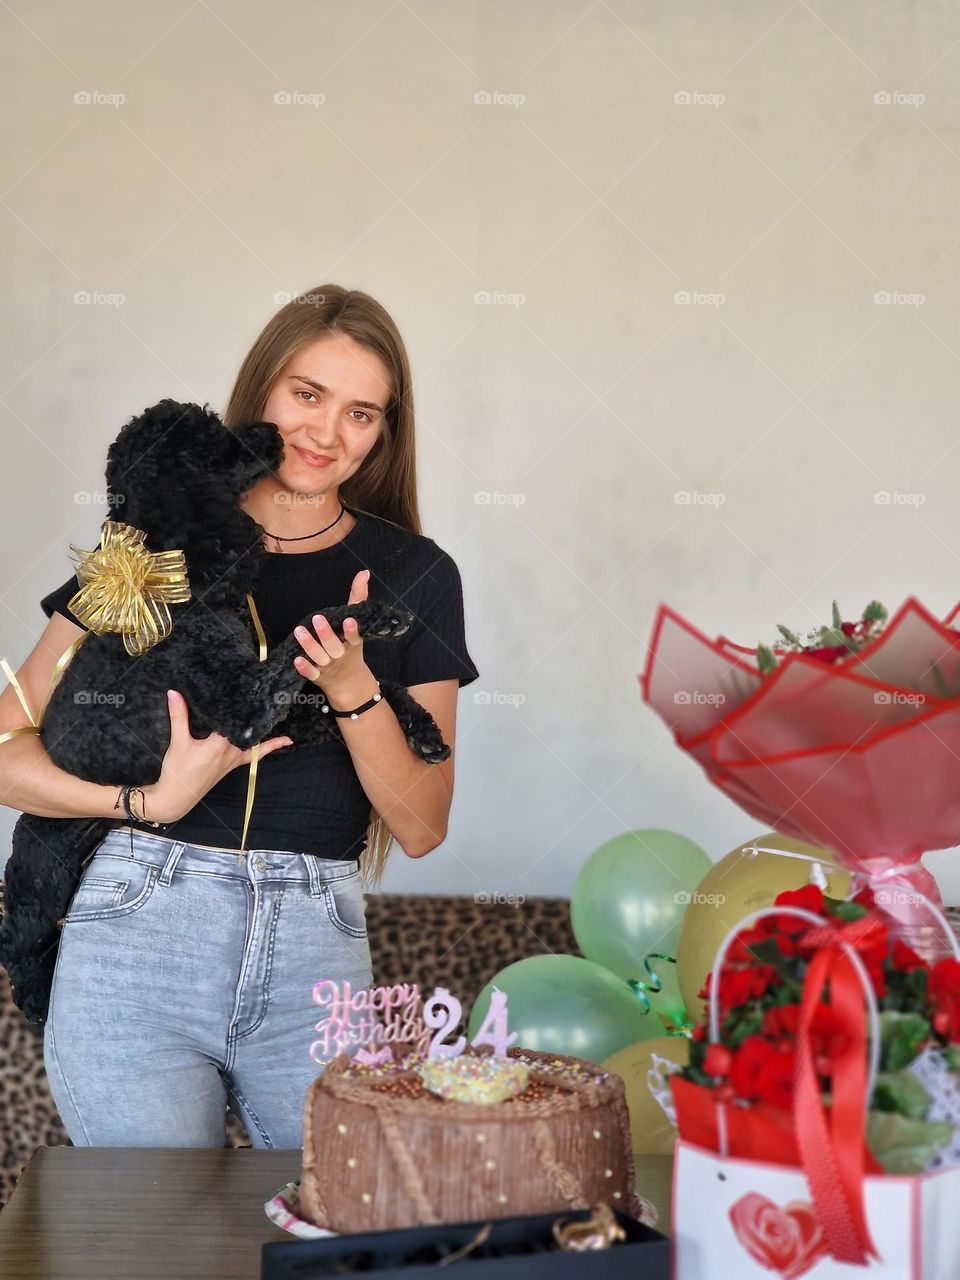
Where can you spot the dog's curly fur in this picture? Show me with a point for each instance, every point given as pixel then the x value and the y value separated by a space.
pixel 175 472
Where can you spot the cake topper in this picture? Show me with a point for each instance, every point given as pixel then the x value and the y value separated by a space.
pixel 352 1019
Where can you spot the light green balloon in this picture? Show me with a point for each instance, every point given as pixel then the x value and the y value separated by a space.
pixel 630 896
pixel 565 1004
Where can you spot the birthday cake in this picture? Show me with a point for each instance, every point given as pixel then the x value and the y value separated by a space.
pixel 412 1140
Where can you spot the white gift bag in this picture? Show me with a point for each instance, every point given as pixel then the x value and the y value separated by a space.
pixel 747 1219
pixel 739 1219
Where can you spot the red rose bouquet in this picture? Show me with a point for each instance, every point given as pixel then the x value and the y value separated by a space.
pixel 849 740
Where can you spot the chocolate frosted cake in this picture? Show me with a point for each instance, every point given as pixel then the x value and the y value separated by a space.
pixel 392 1144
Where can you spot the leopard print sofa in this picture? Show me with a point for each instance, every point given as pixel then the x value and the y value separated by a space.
pixel 450 942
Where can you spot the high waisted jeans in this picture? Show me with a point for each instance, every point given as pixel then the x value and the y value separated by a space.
pixel 185 976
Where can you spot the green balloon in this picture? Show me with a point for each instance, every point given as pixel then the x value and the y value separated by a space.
pixel 565 1004
pixel 630 896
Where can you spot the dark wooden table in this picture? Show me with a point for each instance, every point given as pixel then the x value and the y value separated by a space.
pixel 141 1213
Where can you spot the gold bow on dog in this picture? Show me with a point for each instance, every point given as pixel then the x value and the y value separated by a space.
pixel 126 588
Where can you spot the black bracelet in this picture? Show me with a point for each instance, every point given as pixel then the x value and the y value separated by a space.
pixel 124 797
pixel 371 702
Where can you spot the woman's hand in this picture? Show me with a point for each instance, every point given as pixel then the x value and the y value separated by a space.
pixel 191 766
pixel 336 665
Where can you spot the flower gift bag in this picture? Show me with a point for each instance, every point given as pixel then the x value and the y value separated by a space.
pixel 819 1116
pixel 752 1220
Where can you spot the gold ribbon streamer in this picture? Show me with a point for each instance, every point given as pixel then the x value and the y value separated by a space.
pixel 255 750
pixel 127 589
pixel 58 670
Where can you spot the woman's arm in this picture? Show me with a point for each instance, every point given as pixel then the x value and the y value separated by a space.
pixel 29 780
pixel 32 783
pixel 411 796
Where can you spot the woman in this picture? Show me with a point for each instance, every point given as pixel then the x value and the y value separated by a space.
pixel 186 966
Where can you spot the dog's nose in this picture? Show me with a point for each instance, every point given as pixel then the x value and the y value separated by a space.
pixel 260 448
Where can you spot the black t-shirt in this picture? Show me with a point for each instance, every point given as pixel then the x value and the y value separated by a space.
pixel 309 798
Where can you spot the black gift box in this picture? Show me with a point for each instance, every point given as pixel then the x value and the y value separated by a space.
pixel 516 1247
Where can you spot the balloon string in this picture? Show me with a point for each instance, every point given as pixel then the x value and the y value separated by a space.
pixel 681 1026
pixel 640 988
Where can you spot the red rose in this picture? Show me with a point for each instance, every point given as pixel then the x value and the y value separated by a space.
pixel 786 1240
pixel 809 898
pixel 775 1081
pixel 784 930
pixel 717 1060
pixel 781 1022
pixel 740 985
pixel 833 652
pixel 905 959
pixel 829 1035
pixel 827 653
pixel 763 1072
pixel 943 992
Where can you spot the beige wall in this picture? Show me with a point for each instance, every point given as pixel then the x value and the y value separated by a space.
pixel 783 198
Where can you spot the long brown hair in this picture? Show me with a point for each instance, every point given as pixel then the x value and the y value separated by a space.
pixel 385 484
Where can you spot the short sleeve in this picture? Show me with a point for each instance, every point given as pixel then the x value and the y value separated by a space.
pixel 437 647
pixel 56 601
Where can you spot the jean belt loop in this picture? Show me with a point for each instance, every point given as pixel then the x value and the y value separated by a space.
pixel 173 857
pixel 313 874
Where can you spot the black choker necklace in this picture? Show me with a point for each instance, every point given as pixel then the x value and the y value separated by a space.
pixel 305 536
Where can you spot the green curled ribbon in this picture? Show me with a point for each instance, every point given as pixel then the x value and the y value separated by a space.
pixel 673 1026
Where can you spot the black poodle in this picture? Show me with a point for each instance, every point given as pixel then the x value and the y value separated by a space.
pixel 174 472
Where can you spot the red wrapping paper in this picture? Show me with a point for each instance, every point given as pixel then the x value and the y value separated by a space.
pixel 860 757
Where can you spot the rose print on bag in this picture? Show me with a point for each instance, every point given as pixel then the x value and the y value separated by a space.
pixel 787 1240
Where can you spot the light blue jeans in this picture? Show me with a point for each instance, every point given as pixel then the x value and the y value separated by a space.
pixel 185 976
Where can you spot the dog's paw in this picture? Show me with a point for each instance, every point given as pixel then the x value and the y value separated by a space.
pixel 376 619
pixel 431 748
